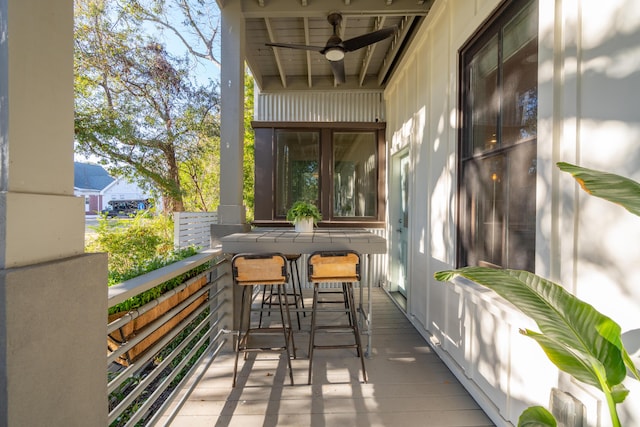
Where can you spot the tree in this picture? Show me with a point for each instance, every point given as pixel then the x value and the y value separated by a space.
pixel 248 186
pixel 200 177
pixel 194 22
pixel 135 104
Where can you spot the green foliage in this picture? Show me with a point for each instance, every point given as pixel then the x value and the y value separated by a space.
pixel 302 209
pixel 614 188
pixel 153 293
pixel 200 177
pixel 137 246
pixel 248 186
pixel 132 243
pixel 127 386
pixel 536 416
pixel 577 338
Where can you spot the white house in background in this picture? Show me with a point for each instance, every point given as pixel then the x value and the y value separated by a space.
pixel 121 189
pixel 98 188
pixel 89 179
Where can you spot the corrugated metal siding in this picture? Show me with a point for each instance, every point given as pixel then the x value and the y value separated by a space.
pixel 320 107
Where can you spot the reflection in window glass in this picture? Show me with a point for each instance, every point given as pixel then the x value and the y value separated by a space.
pixel 297 169
pixel 499 146
pixel 484 99
pixel 354 174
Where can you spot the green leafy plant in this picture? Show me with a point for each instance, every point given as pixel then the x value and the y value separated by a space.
pixel 137 246
pixel 303 209
pixel 132 242
pixel 577 338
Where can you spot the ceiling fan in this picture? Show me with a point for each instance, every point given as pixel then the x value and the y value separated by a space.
pixel 335 48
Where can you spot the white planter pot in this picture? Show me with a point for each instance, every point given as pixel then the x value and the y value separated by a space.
pixel 304 225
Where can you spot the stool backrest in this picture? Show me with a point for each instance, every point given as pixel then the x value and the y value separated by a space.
pixel 259 269
pixel 334 267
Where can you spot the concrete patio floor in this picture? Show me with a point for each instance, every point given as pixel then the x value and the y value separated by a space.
pixel 408 385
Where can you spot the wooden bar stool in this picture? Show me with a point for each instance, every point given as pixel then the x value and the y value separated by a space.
pixel 335 267
pixel 268 270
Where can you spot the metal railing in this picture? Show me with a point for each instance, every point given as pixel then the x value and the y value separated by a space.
pixel 141 386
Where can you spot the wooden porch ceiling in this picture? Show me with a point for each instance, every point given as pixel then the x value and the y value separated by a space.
pixel 305 22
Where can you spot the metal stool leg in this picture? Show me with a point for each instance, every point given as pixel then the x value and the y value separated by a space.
pixel 294 263
pixel 356 330
pixel 241 336
pixel 313 328
pixel 286 327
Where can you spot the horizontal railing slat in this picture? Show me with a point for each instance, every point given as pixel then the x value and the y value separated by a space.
pixel 125 290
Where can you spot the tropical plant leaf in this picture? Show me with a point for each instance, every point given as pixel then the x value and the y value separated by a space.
pixel 619 393
pixel 577 365
pixel 566 321
pixel 614 188
pixel 537 416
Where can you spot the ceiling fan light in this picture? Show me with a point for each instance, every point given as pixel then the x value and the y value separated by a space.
pixel 334 54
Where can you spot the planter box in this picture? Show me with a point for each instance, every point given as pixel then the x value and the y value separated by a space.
pixel 131 329
pixel 304 225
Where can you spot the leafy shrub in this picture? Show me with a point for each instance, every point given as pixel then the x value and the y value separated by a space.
pixel 137 246
pixel 132 243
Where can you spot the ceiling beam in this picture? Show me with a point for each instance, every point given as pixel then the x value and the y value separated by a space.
pixel 396 44
pixel 314 9
pixel 369 52
pixel 276 54
pixel 307 42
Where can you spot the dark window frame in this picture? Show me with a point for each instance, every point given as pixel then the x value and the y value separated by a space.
pixel 470 157
pixel 265 172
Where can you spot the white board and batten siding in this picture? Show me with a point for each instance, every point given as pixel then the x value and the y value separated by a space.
pixel 193 229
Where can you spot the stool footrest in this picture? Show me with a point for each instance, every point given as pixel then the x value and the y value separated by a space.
pixel 334 347
pixel 263 349
pixel 334 327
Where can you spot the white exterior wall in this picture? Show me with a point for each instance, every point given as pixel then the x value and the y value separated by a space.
pixel 121 189
pixel 589 87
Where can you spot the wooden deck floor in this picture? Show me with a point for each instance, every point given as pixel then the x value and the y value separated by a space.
pixel 408 385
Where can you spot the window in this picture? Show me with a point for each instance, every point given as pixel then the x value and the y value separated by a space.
pixel 297 169
pixel 338 166
pixel 354 174
pixel 498 141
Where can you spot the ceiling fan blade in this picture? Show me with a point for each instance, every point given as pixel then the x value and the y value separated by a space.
pixel 338 70
pixel 296 46
pixel 367 39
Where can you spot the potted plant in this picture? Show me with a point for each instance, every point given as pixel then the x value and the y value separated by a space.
pixel 304 215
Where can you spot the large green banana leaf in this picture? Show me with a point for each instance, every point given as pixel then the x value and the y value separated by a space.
pixel 577 338
pixel 614 188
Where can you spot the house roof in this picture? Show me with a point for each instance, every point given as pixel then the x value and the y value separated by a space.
pixel 90 176
pixel 306 23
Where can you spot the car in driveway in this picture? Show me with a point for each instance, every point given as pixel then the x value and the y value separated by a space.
pixel 125 208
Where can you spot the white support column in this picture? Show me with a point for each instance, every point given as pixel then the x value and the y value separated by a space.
pixel 231 209
pixel 52 295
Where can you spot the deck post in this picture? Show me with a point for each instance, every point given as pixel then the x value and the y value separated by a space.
pixel 231 209
pixel 52 296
